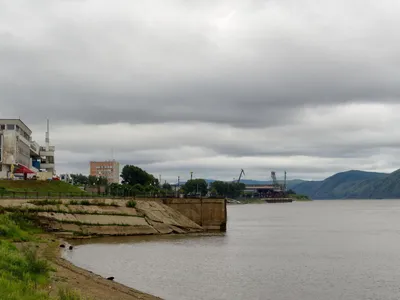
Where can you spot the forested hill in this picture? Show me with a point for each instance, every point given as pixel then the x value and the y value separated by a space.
pixel 353 185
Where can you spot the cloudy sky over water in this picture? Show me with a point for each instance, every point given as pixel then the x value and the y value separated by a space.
pixel 310 86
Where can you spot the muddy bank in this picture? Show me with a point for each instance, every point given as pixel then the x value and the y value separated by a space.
pixel 90 285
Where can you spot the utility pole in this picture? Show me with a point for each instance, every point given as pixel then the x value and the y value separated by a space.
pixel 177 188
pixel 191 175
pixel 284 183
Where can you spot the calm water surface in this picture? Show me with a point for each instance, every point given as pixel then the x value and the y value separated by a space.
pixel 312 251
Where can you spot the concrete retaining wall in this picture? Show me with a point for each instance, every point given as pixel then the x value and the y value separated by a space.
pixel 208 213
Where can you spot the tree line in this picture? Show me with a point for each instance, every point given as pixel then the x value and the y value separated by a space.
pixel 136 181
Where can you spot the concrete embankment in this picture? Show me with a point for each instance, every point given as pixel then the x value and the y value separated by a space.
pixel 105 217
pixel 76 218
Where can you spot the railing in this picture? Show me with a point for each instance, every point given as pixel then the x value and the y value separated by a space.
pixel 82 195
pixel 51 149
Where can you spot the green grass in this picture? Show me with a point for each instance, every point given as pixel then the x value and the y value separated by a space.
pixel 23 274
pixel 10 230
pixel 65 294
pixel 38 187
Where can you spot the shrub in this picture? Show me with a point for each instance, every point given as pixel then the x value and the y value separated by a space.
pixel 85 202
pixel 10 230
pixel 46 202
pixel 131 203
pixel 73 202
pixel 12 289
pixel 24 221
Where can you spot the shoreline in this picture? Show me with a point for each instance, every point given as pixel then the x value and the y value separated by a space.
pixel 88 284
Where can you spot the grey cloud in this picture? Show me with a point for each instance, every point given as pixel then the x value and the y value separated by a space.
pixel 139 72
pixel 154 62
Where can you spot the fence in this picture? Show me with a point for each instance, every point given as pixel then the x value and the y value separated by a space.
pixel 84 195
pixel 66 195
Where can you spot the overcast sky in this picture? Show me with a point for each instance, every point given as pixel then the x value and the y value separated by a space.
pixel 310 86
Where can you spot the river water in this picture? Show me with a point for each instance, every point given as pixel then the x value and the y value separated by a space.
pixel 304 250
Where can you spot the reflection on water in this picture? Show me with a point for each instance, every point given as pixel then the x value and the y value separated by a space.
pixel 312 251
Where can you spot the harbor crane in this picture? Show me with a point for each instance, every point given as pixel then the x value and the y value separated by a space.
pixel 276 184
pixel 240 175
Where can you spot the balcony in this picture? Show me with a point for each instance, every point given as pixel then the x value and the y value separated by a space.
pixel 44 152
pixel 51 148
pixel 46 166
pixel 34 147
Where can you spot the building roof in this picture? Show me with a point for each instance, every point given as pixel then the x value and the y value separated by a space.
pixel 18 122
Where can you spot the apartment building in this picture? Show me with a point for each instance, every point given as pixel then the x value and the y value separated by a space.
pixel 109 169
pixel 18 150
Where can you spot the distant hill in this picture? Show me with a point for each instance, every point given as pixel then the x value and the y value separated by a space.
pixel 353 184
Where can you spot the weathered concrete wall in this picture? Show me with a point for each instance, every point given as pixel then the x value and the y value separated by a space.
pixel 208 213
pixel 100 218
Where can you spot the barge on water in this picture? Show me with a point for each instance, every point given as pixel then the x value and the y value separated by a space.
pixel 269 193
pixel 278 200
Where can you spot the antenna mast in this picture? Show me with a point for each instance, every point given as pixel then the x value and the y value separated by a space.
pixel 47 140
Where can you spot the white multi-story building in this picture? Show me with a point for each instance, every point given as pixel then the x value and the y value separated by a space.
pixel 18 150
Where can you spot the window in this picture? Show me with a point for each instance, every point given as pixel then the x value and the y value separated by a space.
pixel 2 127
pixel 10 126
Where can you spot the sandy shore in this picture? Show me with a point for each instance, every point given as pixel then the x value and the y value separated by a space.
pixel 90 285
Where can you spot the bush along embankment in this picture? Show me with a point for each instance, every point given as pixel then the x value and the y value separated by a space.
pixel 24 275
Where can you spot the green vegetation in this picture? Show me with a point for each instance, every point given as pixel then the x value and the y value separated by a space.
pixel 131 203
pixel 227 189
pixel 23 274
pixel 46 202
pixel 195 187
pixel 134 175
pixel 353 185
pixel 11 231
pixel 43 187
pixel 65 294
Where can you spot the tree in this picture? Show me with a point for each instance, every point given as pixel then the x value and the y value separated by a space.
pixel 134 175
pixel 79 179
pixel 228 189
pixel 94 180
pixel 167 187
pixel 195 186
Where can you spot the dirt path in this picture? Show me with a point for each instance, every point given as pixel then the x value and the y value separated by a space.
pixel 90 285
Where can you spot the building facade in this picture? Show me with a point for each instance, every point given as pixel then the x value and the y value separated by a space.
pixel 18 149
pixel 108 169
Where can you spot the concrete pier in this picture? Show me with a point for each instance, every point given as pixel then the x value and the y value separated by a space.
pixel 209 213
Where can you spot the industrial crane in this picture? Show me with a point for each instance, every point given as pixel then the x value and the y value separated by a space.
pixel 276 184
pixel 240 175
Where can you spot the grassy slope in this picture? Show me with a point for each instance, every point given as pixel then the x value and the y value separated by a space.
pixel 23 275
pixel 38 186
